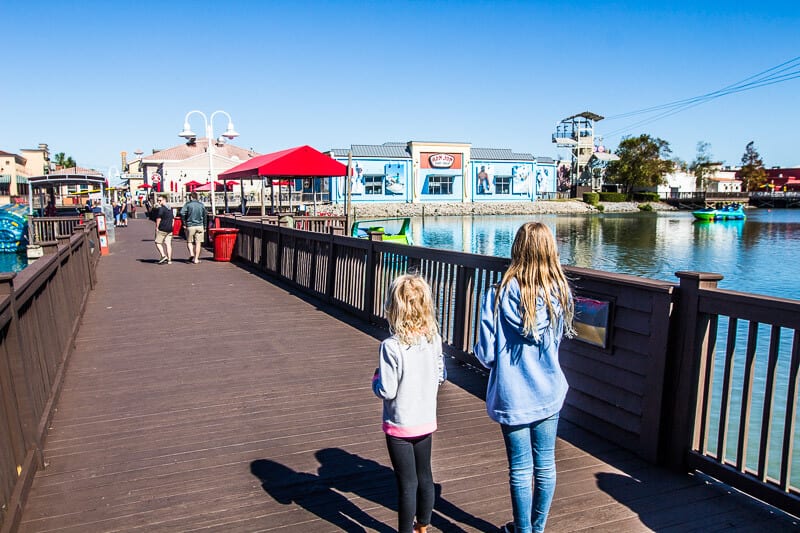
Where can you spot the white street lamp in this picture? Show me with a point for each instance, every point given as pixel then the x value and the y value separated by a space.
pixel 230 133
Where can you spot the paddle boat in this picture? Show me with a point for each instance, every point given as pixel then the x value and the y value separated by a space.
pixel 399 229
pixel 13 227
pixel 728 212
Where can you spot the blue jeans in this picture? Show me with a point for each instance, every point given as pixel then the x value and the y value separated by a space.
pixel 531 451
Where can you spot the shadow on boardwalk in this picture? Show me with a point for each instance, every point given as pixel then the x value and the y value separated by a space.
pixel 205 397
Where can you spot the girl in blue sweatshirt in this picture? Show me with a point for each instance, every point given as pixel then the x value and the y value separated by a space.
pixel 521 324
pixel 410 370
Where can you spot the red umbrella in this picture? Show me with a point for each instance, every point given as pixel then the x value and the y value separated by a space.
pixel 229 184
pixel 207 186
pixel 145 186
pixel 192 185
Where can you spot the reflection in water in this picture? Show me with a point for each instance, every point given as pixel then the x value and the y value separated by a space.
pixel 755 255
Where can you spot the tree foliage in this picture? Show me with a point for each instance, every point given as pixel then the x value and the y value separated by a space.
pixel 752 173
pixel 701 166
pixel 643 162
pixel 61 160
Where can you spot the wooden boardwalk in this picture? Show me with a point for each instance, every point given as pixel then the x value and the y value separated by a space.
pixel 205 397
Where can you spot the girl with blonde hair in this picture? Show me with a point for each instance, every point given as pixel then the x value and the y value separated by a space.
pixel 410 370
pixel 522 322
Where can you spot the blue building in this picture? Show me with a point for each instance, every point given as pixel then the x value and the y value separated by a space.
pixel 416 172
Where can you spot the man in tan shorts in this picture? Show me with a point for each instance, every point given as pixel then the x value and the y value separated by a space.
pixel 194 217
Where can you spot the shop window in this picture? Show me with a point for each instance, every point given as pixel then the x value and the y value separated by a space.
pixel 440 184
pixel 373 183
pixel 5 188
pixel 502 184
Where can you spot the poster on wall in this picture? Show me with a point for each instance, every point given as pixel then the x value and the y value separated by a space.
pixel 484 179
pixel 520 179
pixel 395 181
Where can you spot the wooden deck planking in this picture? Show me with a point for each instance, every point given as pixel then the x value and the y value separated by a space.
pixel 206 398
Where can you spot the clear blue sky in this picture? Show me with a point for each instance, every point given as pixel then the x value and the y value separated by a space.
pixel 94 78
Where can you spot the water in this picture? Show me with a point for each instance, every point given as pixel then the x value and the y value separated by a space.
pixel 12 262
pixel 758 255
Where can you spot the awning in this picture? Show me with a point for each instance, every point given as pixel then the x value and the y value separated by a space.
pixel 66 179
pixel 605 156
pixel 299 162
pixel 206 187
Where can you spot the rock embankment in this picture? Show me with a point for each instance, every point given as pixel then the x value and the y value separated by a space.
pixel 541 207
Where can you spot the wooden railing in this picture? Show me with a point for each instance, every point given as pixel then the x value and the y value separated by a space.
pixel 40 309
pixel 641 390
pixel 737 388
pixel 52 228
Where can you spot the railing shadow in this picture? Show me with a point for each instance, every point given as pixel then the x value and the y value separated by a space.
pixel 343 472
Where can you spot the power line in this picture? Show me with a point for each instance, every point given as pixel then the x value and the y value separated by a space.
pixel 771 76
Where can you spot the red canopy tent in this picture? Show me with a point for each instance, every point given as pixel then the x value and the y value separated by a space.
pixel 206 187
pixel 192 185
pixel 299 162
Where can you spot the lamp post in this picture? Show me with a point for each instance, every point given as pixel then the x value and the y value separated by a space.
pixel 230 133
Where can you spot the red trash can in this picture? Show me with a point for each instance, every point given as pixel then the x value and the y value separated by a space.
pixel 224 240
pixel 177 225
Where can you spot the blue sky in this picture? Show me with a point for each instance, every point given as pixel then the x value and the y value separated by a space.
pixel 92 79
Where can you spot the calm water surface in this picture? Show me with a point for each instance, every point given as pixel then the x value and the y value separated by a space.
pixel 760 255
pixel 757 255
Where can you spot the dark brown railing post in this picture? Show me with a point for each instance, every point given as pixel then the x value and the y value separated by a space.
pixel 369 275
pixel 687 365
pixel 330 279
pixel 465 286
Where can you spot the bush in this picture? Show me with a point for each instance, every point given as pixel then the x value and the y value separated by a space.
pixel 646 197
pixel 600 207
pixel 591 198
pixel 645 207
pixel 613 197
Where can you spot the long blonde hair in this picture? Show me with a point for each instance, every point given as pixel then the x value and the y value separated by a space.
pixel 410 311
pixel 535 266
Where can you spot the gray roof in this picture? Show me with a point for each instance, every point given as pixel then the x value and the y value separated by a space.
pixel 499 154
pixel 389 149
pixel 399 150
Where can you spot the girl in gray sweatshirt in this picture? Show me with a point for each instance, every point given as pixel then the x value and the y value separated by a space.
pixel 410 370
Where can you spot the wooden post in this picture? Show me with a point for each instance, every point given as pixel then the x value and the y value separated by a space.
pixel 465 286
pixel 686 365
pixel 369 278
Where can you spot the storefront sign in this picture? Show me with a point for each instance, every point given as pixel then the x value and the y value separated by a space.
pixel 442 160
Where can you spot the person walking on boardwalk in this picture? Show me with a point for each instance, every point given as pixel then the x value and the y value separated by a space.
pixel 164 219
pixel 123 214
pixel 194 217
pixel 410 370
pixel 521 325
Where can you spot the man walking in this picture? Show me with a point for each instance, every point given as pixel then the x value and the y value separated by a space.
pixel 194 217
pixel 164 220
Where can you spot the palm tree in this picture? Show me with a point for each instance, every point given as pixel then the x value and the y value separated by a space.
pixel 61 160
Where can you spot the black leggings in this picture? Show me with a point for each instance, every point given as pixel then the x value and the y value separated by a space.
pixel 411 460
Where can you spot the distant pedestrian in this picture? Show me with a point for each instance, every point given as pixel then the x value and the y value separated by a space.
pixel 411 368
pixel 123 214
pixel 521 324
pixel 164 219
pixel 117 213
pixel 195 219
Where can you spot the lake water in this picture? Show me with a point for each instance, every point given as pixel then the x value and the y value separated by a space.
pixel 12 262
pixel 757 255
